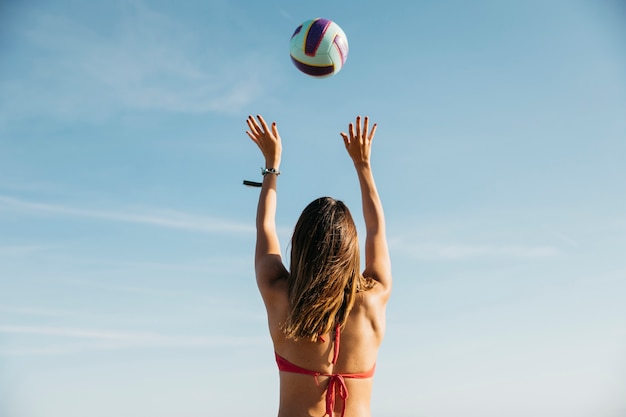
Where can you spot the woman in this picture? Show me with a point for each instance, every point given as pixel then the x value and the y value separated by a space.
pixel 323 302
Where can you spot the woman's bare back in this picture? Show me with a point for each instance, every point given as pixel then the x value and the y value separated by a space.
pixel 358 343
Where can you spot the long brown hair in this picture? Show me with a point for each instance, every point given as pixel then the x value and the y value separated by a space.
pixel 324 271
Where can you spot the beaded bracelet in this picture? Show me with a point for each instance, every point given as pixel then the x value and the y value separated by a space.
pixel 265 171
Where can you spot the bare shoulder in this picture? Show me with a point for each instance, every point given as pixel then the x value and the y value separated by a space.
pixel 274 289
pixel 365 328
pixel 270 274
pixel 372 304
pixel 377 295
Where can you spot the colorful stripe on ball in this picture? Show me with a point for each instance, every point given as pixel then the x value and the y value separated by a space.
pixel 313 70
pixel 298 29
pixel 342 47
pixel 314 36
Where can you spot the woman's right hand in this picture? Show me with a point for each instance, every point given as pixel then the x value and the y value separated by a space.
pixel 358 140
pixel 267 139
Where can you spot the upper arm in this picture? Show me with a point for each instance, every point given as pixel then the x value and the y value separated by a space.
pixel 377 260
pixel 269 270
pixel 268 264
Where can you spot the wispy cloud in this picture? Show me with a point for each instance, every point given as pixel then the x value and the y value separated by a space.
pixel 75 333
pixel 96 339
pixel 144 290
pixel 145 60
pixel 21 250
pixel 29 311
pixel 45 314
pixel 438 251
pixel 214 265
pixel 160 218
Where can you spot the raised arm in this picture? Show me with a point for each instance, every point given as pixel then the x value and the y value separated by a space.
pixel 267 260
pixel 358 143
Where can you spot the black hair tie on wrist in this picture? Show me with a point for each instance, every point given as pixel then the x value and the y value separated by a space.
pixel 252 183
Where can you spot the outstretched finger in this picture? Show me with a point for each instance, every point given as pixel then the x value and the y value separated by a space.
pixel 358 126
pixel 274 129
pixel 366 124
pixel 252 124
pixel 351 130
pixel 263 124
pixel 253 137
pixel 373 132
pixel 346 139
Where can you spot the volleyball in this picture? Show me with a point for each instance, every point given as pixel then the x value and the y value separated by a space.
pixel 319 48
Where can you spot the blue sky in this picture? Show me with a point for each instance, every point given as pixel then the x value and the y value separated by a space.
pixel 126 237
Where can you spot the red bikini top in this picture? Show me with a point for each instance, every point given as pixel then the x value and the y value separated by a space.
pixel 336 383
